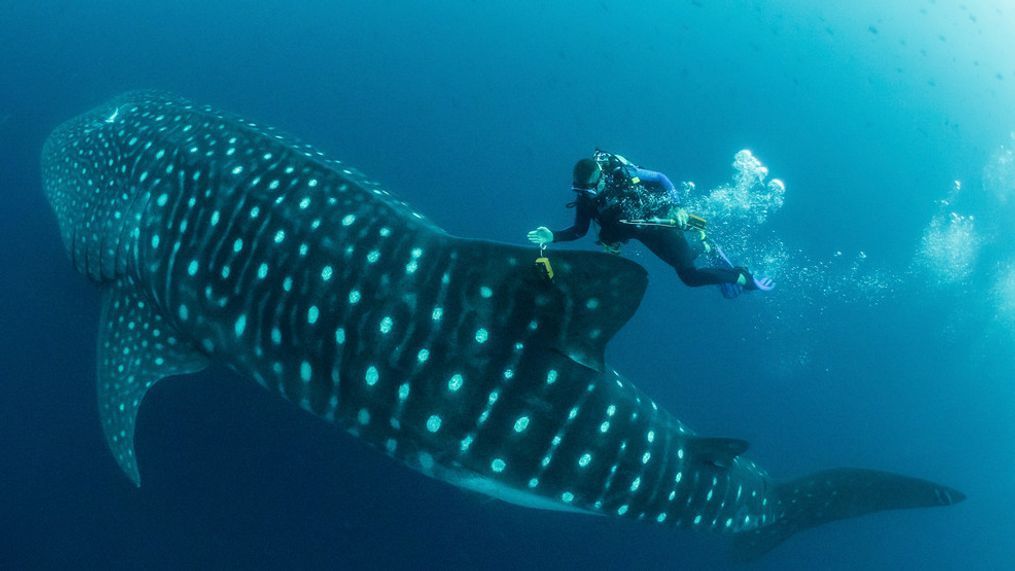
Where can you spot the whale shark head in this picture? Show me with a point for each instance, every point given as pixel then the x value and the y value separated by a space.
pixel 82 178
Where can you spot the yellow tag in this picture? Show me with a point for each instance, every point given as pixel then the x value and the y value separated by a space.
pixel 546 267
pixel 635 180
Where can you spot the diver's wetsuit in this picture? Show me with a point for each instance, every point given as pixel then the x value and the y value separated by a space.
pixel 668 244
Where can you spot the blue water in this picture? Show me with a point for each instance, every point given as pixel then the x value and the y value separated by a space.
pixel 888 344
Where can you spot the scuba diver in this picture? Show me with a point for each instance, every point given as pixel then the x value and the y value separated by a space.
pixel 627 202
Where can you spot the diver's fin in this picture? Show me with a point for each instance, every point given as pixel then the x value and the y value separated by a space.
pixel 717 452
pixel 137 347
pixel 730 291
pixel 836 494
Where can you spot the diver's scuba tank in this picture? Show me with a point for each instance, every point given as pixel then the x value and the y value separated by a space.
pixel 619 171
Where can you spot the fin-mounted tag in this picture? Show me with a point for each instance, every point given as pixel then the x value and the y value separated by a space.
pixel 137 347
pixel 543 265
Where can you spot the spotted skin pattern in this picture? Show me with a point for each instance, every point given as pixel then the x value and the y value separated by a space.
pixel 216 239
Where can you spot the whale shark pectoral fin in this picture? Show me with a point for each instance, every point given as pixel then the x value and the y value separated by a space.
pixel 137 347
pixel 718 452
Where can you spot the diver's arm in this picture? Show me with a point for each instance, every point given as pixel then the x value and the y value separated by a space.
pixel 582 220
pixel 658 180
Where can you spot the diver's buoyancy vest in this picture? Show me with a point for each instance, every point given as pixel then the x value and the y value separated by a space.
pixel 624 195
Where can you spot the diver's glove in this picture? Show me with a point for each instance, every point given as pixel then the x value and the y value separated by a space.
pixel 682 217
pixel 751 283
pixel 541 235
pixel 678 216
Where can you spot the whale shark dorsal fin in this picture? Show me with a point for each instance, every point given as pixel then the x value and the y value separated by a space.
pixel 137 347
pixel 589 298
pixel 600 293
pixel 717 452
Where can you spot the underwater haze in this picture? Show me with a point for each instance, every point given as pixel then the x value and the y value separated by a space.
pixel 861 153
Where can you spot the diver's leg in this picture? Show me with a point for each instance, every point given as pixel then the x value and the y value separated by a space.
pixel 670 245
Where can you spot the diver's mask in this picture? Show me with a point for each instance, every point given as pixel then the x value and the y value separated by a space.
pixel 591 189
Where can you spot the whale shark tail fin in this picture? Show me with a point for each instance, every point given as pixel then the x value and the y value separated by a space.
pixel 838 494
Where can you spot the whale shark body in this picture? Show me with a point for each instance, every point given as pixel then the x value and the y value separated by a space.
pixel 217 240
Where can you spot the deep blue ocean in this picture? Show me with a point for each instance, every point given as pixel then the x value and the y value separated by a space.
pixel 888 343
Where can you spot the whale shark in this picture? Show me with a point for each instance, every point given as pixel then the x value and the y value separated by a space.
pixel 218 240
